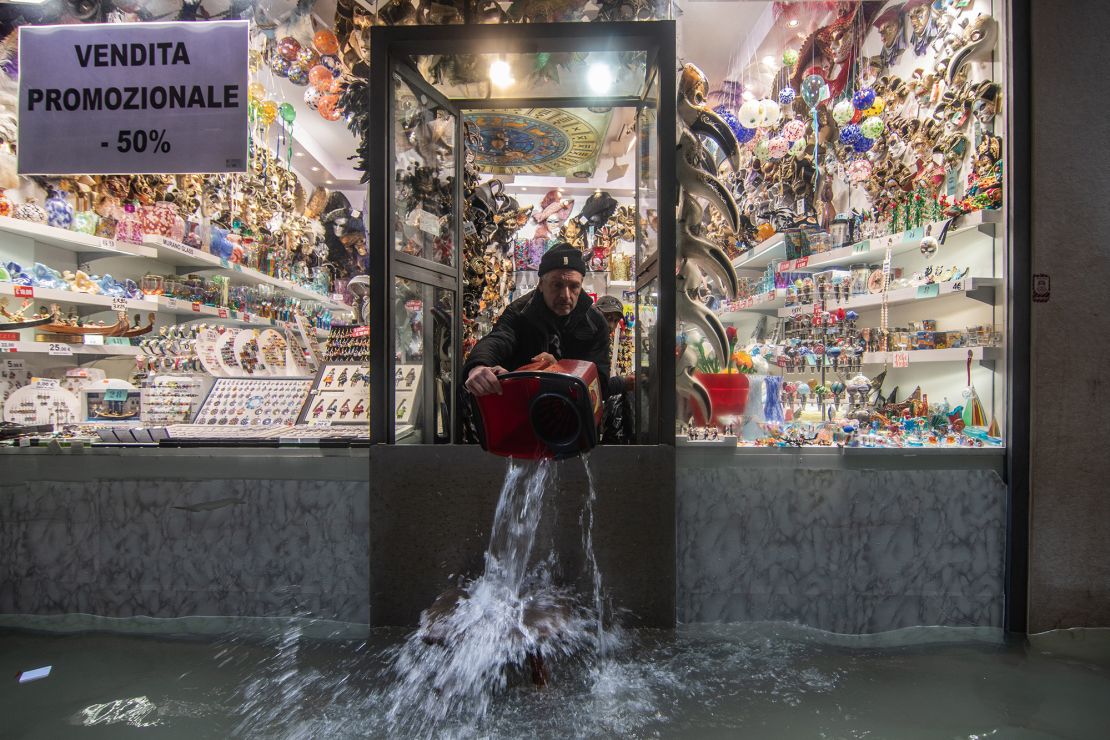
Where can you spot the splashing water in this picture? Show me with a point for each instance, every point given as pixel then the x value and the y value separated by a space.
pixel 476 638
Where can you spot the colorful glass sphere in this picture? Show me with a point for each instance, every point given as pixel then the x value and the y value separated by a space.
pixel 793 130
pixel 254 60
pixel 876 108
pixel 279 65
pixel 328 107
pixel 298 74
pixel 786 96
pixel 312 97
pixel 771 113
pixel 858 171
pixel 872 127
pixel 287 112
pixel 307 57
pixel 790 57
pixel 325 41
pixel 849 134
pixel 863 98
pixel 749 114
pixel 762 150
pixel 256 91
pixel 331 62
pixel 267 112
pixel 320 77
pixel 798 148
pixel 288 48
pixel 777 147
pixel 814 90
pixel 862 144
pixel 842 112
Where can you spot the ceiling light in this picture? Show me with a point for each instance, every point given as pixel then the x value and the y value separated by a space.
pixel 314 168
pixel 298 154
pixel 600 77
pixel 328 182
pixel 769 60
pixel 500 73
pixel 801 34
pixel 793 23
pixel 747 95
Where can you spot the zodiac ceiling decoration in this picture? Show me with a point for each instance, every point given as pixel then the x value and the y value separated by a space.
pixel 535 141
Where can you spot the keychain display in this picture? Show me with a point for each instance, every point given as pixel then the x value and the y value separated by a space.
pixel 348 344
pixel 340 395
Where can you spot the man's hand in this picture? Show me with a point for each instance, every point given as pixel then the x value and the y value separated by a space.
pixel 483 381
pixel 545 357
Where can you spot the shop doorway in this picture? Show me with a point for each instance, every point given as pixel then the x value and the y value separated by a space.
pixel 448 108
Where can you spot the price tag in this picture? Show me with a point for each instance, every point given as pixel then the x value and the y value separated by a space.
pixel 94 339
pixel 861 247
pixel 45 383
pixel 171 303
pixel 224 264
pixel 177 246
pixel 360 331
pixel 799 263
pixel 238 267
pixel 106 243
pixel 785 266
pixel 246 316
pixel 118 341
pixel 222 313
pixel 24 291
pixel 9 336
pixel 928 291
pixel 119 304
pixel 901 359
pixel 916 234
pixel 7 346
pixel 428 223
pixel 57 348
pixel 115 394
pixel 196 306
pixel 319 423
pixel 951 182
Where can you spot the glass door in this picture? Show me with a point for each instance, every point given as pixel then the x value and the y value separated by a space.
pixel 419 231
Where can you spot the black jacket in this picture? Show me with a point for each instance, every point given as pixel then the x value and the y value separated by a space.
pixel 528 327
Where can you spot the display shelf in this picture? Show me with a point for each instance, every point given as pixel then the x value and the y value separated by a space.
pixel 48 348
pixel 182 255
pixel 981 289
pixel 45 296
pixel 74 241
pixel 770 302
pixel 952 354
pixel 867 250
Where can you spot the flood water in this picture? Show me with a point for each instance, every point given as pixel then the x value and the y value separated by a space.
pixel 751 681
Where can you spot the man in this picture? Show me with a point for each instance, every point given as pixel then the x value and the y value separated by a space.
pixel 617 427
pixel 556 321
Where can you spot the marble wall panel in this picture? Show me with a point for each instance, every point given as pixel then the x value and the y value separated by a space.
pixel 849 551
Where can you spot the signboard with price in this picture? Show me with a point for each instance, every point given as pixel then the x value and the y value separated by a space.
pixel 133 98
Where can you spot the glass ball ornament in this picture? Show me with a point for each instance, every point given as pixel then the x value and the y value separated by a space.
pixel 749 114
pixel 790 57
pixel 312 97
pixel 842 112
pixel 872 127
pixel 267 112
pixel 256 91
pixel 328 107
pixel 798 148
pixel 325 42
pixel 298 74
pixel 320 77
pixel 876 108
pixel 289 48
pixel 331 62
pixel 287 112
pixel 929 247
pixel 777 147
pixel 814 89
pixel 254 60
pixel 862 144
pixel 279 65
pixel 743 135
pixel 863 98
pixel 762 150
pixel 307 57
pixel 786 96
pixel 771 113
pixel 793 130
pixel 859 171
pixel 849 134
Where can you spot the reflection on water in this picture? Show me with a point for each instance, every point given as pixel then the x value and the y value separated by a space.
pixel 756 680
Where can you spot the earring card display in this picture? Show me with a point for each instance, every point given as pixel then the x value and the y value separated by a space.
pixel 348 343
pixel 340 396
pixel 238 403
pixel 173 399
pixel 407 397
pixel 43 401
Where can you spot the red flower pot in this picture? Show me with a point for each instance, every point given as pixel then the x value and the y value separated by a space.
pixel 727 391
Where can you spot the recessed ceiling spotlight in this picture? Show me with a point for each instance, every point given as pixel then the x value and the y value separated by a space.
pixel 769 60
pixel 298 154
pixel 500 73
pixel 314 168
pixel 328 182
pixel 747 95
pixel 600 77
pixel 792 23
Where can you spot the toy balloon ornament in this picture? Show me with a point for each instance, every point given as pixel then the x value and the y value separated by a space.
pixel 786 96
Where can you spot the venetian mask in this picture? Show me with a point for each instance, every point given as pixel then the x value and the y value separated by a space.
pixel 919 18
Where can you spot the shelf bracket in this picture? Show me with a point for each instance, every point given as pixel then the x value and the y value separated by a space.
pixel 983 294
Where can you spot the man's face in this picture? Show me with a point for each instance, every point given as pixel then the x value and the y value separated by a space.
pixel 560 289
pixel 614 320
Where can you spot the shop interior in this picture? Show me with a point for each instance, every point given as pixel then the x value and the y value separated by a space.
pixel 863 302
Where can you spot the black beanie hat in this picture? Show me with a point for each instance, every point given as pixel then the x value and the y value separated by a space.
pixel 562 256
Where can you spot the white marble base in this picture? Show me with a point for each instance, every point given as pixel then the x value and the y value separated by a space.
pixel 122 549
pixel 850 551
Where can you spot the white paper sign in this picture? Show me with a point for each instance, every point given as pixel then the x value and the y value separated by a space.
pixel 109 98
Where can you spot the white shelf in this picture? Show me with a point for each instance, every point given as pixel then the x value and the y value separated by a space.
pixel 181 255
pixel 72 241
pixel 953 354
pixel 868 250
pixel 977 288
pixel 188 310
pixel 46 296
pixel 100 350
